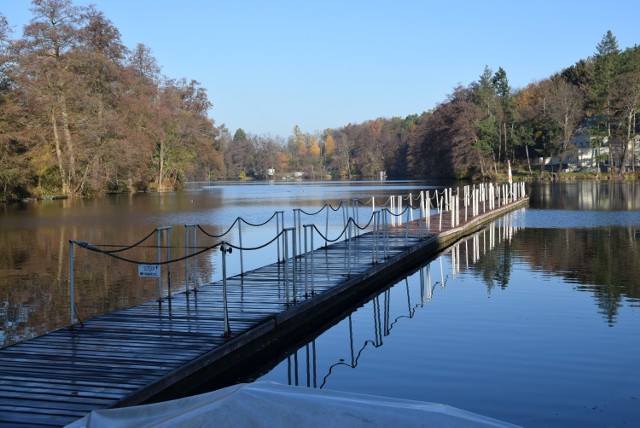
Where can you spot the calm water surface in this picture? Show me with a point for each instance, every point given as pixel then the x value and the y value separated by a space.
pixel 534 320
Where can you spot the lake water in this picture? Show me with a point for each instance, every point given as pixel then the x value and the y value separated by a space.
pixel 534 320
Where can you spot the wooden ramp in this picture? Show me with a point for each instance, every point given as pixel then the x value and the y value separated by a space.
pixel 133 355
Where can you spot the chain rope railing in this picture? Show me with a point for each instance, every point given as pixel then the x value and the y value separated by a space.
pixel 295 242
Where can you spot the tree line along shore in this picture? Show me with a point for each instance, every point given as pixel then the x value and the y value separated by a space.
pixel 82 115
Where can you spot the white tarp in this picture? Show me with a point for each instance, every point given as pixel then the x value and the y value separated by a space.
pixel 267 404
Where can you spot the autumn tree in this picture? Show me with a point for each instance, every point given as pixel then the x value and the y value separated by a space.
pixel 268 152
pixel 46 61
pixel 14 170
pixel 445 143
pixel 239 155
pixel 99 59
pixel 565 108
pixel 81 114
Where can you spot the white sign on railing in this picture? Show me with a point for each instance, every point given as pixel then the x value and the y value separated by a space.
pixel 149 271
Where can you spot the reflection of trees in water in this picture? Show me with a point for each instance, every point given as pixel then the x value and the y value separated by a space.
pixel 35 275
pixel 586 195
pixel 494 262
pixel 602 261
pixel 496 268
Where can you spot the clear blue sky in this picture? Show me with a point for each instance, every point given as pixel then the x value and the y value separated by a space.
pixel 270 65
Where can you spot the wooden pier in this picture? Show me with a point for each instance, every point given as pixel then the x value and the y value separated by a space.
pixel 151 352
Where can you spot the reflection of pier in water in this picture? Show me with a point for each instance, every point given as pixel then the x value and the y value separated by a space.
pixel 462 255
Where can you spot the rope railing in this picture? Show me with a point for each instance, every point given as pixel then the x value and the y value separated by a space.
pixel 128 247
pixel 292 246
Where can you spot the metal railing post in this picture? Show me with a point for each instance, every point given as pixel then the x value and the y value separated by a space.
pixel 344 216
pixel 285 236
pixel 186 264
pixel 354 210
pixel 312 263
pixel 374 248
pixel 240 245
pixel 466 201
pixel 349 246
pixel 293 259
pixel 427 209
pixel 294 269
pixel 392 210
pixel 225 302
pixel 299 231
pixel 406 225
pixel 453 213
pixel 168 239
pixel 326 226
pixel 306 263
pixel 386 237
pixel 195 259
pixel 72 292
pixel 421 217
pixel 446 200
pixel 159 260
pixel 193 272
pixel 411 205
pixel 159 231
pixel 278 213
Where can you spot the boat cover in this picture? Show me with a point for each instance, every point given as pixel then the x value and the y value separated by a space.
pixel 271 404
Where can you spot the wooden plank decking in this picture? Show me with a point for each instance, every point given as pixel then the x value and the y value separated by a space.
pixel 129 356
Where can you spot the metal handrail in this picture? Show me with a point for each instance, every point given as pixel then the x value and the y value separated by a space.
pixel 294 242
